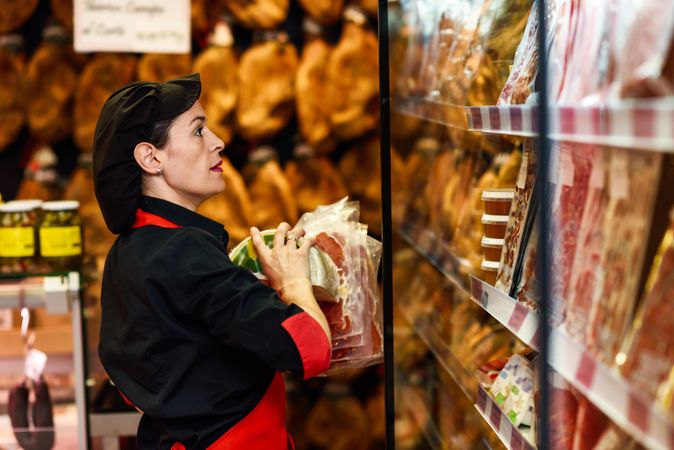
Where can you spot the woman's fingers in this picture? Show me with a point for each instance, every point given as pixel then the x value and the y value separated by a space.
pixel 280 235
pixel 260 247
pixel 307 244
pixel 297 232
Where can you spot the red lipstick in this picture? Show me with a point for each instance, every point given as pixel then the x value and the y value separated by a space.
pixel 217 167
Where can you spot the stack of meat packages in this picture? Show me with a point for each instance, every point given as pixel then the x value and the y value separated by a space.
pixel 602 199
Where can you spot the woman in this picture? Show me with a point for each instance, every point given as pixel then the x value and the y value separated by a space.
pixel 192 341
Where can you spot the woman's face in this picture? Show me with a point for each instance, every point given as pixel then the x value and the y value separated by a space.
pixel 191 161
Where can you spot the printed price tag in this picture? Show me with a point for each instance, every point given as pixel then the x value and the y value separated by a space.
pixel 518 316
pixel 638 413
pixel 516 441
pixel 586 370
pixel 522 177
pixel 476 289
pixel 619 176
pixel 34 364
pixel 495 416
pixel 482 399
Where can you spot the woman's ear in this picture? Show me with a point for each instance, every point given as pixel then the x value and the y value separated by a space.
pixel 146 157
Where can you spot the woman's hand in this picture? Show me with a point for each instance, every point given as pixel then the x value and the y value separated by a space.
pixel 287 268
pixel 285 265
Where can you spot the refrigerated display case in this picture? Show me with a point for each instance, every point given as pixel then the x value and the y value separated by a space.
pixel 529 223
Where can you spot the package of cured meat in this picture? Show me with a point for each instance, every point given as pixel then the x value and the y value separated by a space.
pixel 632 188
pixel 584 275
pixel 343 266
pixel 525 65
pixel 645 66
pixel 649 349
pixel 563 416
pixel 520 222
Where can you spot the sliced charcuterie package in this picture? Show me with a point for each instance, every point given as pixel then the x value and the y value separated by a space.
pixel 343 266
pixel 632 187
pixel 648 355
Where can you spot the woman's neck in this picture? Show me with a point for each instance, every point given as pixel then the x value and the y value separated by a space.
pixel 172 196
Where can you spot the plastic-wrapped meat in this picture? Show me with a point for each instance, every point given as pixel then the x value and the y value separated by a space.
pixel 575 167
pixel 521 219
pixel 650 347
pixel 561 17
pixel 562 415
pixel 646 65
pixel 584 276
pixel 633 179
pixel 587 73
pixel 590 425
pixel 525 65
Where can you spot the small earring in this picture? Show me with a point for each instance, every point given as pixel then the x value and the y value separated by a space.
pixel 159 171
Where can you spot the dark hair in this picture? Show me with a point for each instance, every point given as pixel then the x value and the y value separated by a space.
pixel 160 133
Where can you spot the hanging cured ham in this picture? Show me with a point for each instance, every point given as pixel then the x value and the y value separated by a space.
pixel 51 82
pixel 265 14
pixel 313 179
pixel 12 116
pixel 104 74
pixel 15 13
pixel 266 87
pixel 313 100
pixel 63 11
pixel 325 12
pixel 271 197
pixel 217 66
pixel 354 79
pixel 233 207
pixel 163 66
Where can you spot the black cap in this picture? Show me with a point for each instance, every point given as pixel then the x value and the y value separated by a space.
pixel 127 118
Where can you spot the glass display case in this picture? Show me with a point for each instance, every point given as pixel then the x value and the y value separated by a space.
pixel 529 225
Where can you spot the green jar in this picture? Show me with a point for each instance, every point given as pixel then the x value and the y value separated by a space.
pixel 60 236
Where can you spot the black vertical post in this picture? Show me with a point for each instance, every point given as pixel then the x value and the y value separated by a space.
pixel 387 257
pixel 543 260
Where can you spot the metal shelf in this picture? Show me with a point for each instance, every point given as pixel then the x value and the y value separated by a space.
pixel 512 437
pixel 602 385
pixel 54 292
pixel 443 354
pixel 638 124
pixel 454 268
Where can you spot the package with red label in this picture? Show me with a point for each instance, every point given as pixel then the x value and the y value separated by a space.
pixel 343 266
pixel 562 416
pixel 591 423
pixel 649 349
pixel 633 179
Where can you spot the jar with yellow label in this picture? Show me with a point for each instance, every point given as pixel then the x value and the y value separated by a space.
pixel 17 236
pixel 60 233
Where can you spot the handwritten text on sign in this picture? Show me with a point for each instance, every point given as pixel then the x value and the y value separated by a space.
pixel 140 26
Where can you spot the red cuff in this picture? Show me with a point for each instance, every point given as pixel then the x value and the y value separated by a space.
pixel 311 342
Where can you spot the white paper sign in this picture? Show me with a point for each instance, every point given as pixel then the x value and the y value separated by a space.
pixel 138 26
pixel 34 364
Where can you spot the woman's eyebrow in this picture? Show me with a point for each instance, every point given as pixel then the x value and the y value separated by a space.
pixel 202 118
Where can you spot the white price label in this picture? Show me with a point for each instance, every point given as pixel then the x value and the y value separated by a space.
pixel 522 177
pixel 139 26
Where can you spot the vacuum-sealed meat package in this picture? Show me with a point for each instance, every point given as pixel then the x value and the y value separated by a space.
pixel 343 266
pixel 632 188
pixel 649 349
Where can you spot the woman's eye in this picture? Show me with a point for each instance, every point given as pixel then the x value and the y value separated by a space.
pixel 199 131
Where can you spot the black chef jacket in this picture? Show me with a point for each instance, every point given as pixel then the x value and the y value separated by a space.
pixel 188 337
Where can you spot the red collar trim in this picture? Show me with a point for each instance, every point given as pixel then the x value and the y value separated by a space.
pixel 144 218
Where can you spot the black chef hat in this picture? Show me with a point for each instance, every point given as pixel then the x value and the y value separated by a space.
pixel 127 118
